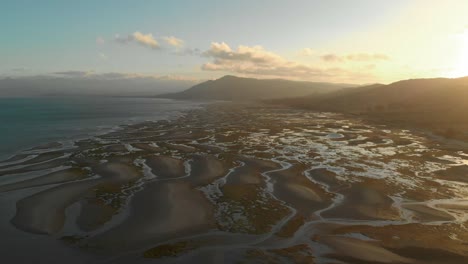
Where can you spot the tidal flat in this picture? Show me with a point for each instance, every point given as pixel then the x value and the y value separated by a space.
pixel 239 183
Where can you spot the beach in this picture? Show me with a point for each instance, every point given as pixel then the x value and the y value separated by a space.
pixel 239 183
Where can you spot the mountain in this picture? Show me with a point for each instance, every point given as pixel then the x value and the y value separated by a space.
pixel 69 86
pixel 237 88
pixel 439 104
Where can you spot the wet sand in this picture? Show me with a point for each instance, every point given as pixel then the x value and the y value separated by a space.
pixel 245 183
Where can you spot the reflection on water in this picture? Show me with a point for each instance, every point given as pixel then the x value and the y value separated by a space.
pixel 247 183
pixel 26 122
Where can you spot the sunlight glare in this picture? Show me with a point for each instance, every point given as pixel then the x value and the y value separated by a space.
pixel 461 65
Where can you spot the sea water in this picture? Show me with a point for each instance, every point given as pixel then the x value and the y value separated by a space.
pixel 29 122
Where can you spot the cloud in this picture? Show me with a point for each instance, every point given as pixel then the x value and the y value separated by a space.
pixel 100 41
pixel 255 54
pixel 146 40
pixel 367 57
pixel 306 52
pixel 94 75
pixel 150 41
pixel 357 57
pixel 19 69
pixel 187 52
pixel 119 76
pixel 331 58
pixel 256 60
pixel 173 41
pixel 123 40
pixel 74 74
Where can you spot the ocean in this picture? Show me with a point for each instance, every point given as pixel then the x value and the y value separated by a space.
pixel 29 122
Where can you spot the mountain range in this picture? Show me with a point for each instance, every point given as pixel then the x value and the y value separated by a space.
pixel 234 88
pixel 438 104
pixel 89 86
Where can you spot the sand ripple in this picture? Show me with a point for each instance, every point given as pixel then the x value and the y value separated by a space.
pixel 246 183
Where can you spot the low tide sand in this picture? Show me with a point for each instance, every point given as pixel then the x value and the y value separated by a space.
pixel 245 184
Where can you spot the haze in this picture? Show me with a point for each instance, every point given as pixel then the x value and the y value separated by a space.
pixel 202 131
pixel 356 42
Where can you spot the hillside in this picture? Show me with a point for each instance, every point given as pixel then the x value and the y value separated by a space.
pixel 237 88
pixel 61 86
pixel 438 104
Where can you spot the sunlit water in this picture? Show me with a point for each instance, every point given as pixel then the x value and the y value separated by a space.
pixel 28 122
pixel 231 183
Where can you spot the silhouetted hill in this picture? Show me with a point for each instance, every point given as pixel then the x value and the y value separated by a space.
pixel 60 86
pixel 237 88
pixel 439 104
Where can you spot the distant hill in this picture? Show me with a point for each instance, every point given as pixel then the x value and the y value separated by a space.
pixel 237 88
pixel 61 86
pixel 439 104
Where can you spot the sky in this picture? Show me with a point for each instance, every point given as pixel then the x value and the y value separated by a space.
pixel 360 41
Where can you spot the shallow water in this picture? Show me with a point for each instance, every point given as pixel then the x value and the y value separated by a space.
pixel 28 122
pixel 244 183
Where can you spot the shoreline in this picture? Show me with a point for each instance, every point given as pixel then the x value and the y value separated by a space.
pixel 455 142
pixel 69 140
pixel 252 180
pixel 444 137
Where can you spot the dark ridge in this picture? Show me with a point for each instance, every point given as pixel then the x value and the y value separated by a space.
pixel 234 88
pixel 438 104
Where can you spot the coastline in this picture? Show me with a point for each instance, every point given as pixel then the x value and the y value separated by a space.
pixel 77 129
pixel 251 181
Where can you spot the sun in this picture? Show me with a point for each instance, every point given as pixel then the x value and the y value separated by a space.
pixel 460 67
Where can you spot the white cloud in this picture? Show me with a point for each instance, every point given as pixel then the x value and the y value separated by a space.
pixel 356 57
pixel 173 41
pixel 222 53
pixel 150 41
pixel 217 48
pixel 258 61
pixel 306 52
pixel 146 40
